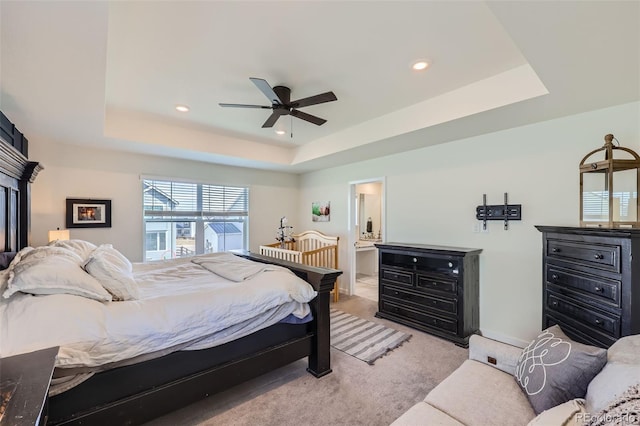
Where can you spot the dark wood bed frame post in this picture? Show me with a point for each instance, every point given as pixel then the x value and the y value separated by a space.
pixel 320 358
pixel 322 280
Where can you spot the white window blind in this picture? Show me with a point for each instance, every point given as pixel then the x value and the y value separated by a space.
pixel 198 218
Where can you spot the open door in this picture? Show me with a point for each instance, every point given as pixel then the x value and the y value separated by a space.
pixel 367 226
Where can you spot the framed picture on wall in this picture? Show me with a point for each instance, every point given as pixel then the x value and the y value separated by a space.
pixel 88 213
pixel 321 211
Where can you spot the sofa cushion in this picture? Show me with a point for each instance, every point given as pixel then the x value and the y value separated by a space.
pixel 425 414
pixel 477 394
pixel 622 370
pixel 570 413
pixel 554 369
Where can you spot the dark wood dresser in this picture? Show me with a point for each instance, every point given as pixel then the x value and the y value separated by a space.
pixel 591 282
pixel 430 288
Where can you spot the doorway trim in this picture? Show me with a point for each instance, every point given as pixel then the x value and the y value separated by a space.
pixel 351 226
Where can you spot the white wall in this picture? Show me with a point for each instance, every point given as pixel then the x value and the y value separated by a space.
pixel 77 172
pixel 432 193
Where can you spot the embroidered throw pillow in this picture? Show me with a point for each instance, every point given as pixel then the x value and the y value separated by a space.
pixel 554 369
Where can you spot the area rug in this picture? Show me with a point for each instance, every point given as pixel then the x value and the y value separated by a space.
pixel 363 339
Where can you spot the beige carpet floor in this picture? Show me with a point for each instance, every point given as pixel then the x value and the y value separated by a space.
pixel 355 393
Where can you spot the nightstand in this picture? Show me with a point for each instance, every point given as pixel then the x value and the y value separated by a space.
pixel 27 376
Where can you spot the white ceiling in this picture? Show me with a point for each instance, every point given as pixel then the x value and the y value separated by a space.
pixel 109 74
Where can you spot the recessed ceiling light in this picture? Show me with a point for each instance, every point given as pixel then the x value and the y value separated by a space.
pixel 280 132
pixel 420 65
pixel 182 108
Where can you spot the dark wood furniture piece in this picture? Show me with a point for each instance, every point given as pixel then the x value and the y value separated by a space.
pixel 27 376
pixel 137 393
pixel 431 288
pixel 591 282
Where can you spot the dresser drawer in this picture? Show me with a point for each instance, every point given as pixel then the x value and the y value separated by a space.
pixel 437 282
pixel 595 320
pixel 422 301
pixel 399 277
pixel 601 256
pixel 579 332
pixel 449 325
pixel 607 291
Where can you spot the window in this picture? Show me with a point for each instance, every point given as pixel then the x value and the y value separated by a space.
pixel 156 241
pixel 183 219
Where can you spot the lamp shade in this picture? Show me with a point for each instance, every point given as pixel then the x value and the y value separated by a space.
pixel 59 234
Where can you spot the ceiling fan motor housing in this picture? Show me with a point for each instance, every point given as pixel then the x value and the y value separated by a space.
pixel 284 93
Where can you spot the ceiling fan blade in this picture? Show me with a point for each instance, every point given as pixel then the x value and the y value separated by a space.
pixel 308 117
pixel 245 106
pixel 277 113
pixel 267 90
pixel 314 100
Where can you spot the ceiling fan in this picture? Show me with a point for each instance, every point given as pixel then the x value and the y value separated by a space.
pixel 281 104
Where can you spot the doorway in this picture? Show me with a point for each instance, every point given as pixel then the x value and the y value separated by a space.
pixel 367 226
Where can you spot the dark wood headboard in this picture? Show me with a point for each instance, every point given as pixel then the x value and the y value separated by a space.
pixel 16 175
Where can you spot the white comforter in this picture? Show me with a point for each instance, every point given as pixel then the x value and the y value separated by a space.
pixel 182 305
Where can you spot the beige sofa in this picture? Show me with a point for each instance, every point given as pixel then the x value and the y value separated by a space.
pixel 482 393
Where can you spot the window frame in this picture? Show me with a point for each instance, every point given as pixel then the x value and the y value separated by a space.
pixel 198 218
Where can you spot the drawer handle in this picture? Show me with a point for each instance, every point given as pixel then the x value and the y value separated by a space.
pixel 598 289
pixel 555 250
pixel 554 303
pixel 435 302
pixel 555 277
pixel 415 260
pixel 395 293
pixel 599 321
pixel 598 256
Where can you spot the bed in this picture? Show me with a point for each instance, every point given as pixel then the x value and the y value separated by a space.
pixel 137 390
pixel 308 248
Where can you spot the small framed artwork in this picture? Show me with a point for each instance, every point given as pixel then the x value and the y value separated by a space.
pixel 88 213
pixel 320 211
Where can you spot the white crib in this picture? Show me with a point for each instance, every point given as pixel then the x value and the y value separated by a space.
pixel 311 248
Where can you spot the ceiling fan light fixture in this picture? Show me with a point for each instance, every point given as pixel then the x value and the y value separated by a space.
pixel 420 65
pixel 182 108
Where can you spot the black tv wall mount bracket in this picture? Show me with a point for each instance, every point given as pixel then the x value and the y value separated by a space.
pixel 504 212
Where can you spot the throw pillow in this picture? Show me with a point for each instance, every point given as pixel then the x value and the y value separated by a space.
pixel 571 413
pixel 554 369
pixel 80 247
pixel 53 270
pixel 113 271
pixel 624 410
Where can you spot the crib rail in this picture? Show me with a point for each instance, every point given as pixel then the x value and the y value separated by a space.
pixel 309 248
pixel 282 254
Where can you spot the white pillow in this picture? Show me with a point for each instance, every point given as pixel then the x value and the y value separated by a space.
pixel 570 413
pixel 4 280
pixel 80 247
pixel 53 270
pixel 113 271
